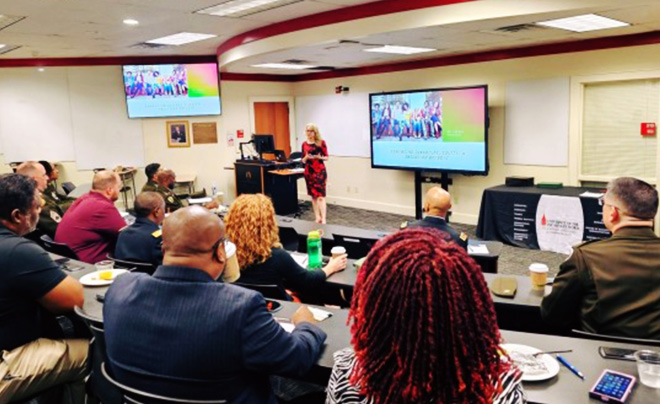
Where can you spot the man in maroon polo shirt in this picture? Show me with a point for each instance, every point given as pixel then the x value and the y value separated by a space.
pixel 92 224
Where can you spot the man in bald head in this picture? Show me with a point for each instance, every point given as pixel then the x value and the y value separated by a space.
pixel 437 203
pixel 182 334
pixel 51 214
pixel 92 224
pixel 142 241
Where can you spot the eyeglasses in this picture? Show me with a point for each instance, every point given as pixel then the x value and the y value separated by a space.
pixel 601 202
pixel 215 246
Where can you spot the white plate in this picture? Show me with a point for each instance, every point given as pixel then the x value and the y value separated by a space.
pixel 542 367
pixel 92 279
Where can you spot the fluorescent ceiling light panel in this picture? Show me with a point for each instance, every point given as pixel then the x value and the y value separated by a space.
pixel 130 21
pixel 400 50
pixel 181 38
pixel 241 8
pixel 284 66
pixel 583 23
pixel 2 45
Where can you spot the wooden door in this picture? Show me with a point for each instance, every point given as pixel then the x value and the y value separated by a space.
pixel 273 118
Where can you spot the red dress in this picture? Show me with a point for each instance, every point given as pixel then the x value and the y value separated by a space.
pixel 315 174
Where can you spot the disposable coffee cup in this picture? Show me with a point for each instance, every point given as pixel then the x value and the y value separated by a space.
pixel 337 251
pixel 105 265
pixel 232 271
pixel 539 275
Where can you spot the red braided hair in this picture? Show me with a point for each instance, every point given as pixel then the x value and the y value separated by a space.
pixel 423 324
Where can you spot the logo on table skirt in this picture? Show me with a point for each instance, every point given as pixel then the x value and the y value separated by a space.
pixel 248 175
pixel 559 223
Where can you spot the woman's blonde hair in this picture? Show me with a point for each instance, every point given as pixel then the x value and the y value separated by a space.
pixel 317 135
pixel 251 225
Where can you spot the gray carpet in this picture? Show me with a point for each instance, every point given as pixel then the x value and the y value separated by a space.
pixel 513 260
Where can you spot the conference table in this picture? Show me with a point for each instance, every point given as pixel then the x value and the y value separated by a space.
pixel 487 260
pixel 541 218
pixel 563 388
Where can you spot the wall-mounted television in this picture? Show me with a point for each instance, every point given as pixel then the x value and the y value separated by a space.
pixel 170 90
pixel 442 129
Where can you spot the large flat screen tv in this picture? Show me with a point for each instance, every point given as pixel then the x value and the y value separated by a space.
pixel 442 129
pixel 156 91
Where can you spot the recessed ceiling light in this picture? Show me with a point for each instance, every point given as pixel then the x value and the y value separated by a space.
pixel 2 45
pixel 583 23
pixel 401 50
pixel 239 8
pixel 130 21
pixel 284 66
pixel 41 69
pixel 181 38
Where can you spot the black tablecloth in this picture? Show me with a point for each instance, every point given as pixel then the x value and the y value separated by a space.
pixel 508 214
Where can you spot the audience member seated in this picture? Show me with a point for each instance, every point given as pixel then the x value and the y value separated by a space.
pixel 32 291
pixel 437 203
pixel 51 213
pixel 183 334
pixel 165 179
pixel 612 286
pixel 142 241
pixel 252 226
pixel 52 194
pixel 150 171
pixel 92 224
pixel 424 329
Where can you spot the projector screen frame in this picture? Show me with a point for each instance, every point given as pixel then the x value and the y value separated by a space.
pixel 432 169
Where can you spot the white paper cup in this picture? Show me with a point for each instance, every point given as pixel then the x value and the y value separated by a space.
pixel 232 271
pixel 337 251
pixel 539 275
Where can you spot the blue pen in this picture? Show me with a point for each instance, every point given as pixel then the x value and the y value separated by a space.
pixel 570 367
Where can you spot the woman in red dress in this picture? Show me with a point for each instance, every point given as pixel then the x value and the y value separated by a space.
pixel 315 152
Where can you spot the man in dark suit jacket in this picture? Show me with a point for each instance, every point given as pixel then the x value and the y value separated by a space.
pixel 142 241
pixel 437 203
pixel 182 334
pixel 612 286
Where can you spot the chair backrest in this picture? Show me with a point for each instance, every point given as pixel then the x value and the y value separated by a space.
pixel 289 238
pixel 68 187
pixel 268 291
pixel 356 247
pixel 136 396
pixel 295 155
pixel 58 248
pixel 133 266
pixel 602 337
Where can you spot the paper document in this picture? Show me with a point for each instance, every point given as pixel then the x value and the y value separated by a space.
pixel 588 194
pixel 288 327
pixel 319 315
pixel 297 170
pixel 477 249
pixel 300 258
pixel 199 201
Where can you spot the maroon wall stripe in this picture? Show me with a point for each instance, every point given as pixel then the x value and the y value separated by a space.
pixel 118 60
pixel 332 17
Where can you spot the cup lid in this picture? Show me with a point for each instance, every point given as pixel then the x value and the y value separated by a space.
pixel 538 267
pixel 230 248
pixel 338 248
pixel 314 234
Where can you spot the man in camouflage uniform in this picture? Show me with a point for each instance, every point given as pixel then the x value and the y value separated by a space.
pixel 165 180
pixel 51 214
pixel 51 194
pixel 151 171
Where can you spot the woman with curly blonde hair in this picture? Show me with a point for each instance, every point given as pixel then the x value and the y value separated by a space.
pixel 251 225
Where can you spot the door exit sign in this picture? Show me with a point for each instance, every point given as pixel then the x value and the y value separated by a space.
pixel 648 129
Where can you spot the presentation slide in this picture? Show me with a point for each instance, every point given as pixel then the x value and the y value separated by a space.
pixel 155 91
pixel 430 129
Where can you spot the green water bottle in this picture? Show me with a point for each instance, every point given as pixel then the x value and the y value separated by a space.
pixel 314 258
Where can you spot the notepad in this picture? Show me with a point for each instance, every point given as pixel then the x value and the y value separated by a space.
pixel 478 249
pixel 199 201
pixel 320 315
pixel 288 327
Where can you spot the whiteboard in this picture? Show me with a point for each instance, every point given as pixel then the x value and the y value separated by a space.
pixel 35 118
pixel 342 119
pixel 536 122
pixel 103 134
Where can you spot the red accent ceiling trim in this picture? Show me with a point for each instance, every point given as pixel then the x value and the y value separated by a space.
pixel 332 17
pixel 118 60
pixel 258 77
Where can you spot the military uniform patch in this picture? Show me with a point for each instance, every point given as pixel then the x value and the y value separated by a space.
pixel 403 225
pixel 157 233
pixel 55 216
pixel 463 236
pixel 170 199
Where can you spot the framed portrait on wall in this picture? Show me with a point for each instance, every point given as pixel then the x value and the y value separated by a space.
pixel 178 134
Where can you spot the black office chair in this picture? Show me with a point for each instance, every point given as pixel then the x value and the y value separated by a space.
pixel 356 247
pixel 97 386
pixel 68 187
pixel 50 396
pixel 624 340
pixel 58 248
pixel 133 266
pixel 295 155
pixel 268 291
pixel 132 395
pixel 289 238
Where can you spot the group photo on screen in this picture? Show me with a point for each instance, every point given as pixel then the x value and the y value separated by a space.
pixel 407 116
pixel 156 81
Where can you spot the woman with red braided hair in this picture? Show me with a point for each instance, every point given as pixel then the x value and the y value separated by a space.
pixel 424 330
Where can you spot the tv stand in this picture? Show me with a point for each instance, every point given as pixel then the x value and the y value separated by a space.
pixel 444 182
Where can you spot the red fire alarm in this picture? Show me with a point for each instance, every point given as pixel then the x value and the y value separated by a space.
pixel 239 133
pixel 648 129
